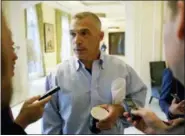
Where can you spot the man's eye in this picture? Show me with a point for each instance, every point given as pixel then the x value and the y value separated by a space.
pixel 83 33
pixel 73 34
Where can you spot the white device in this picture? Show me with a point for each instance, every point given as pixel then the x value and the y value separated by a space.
pixel 118 90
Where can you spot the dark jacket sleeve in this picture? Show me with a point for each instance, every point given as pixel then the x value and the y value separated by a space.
pixel 166 89
pixel 12 129
pixel 8 126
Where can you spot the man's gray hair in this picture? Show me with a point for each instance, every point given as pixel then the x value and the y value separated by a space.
pixel 83 15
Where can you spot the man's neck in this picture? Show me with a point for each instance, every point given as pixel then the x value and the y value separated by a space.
pixel 88 63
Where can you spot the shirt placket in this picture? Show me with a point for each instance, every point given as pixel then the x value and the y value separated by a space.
pixel 94 84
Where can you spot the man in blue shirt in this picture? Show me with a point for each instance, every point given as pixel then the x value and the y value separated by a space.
pixel 85 81
pixel 170 85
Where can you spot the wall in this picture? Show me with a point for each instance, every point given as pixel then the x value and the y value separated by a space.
pixel 144 35
pixel 14 14
pixel 49 17
pixel 48 8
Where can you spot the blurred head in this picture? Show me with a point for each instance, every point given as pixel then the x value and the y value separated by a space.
pixel 174 38
pixel 8 58
pixel 86 35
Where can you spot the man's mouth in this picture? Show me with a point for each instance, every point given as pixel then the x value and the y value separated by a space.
pixel 80 50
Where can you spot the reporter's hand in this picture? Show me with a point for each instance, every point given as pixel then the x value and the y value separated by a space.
pixel 31 111
pixel 115 111
pixel 139 124
pixel 149 120
pixel 177 108
pixel 150 123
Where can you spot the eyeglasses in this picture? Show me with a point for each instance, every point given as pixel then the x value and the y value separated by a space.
pixel 16 49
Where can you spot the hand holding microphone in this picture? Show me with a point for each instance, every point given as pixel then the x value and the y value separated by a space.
pixel 33 108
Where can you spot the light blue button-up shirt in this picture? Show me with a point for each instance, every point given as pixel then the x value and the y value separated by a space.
pixel 69 110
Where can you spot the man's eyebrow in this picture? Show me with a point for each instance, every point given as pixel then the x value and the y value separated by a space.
pixel 83 29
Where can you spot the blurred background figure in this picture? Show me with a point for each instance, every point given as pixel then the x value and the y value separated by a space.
pixel 103 47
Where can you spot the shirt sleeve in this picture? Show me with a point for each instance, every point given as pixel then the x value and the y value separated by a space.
pixel 136 89
pixel 52 121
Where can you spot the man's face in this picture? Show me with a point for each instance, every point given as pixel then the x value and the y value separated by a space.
pixel 8 58
pixel 85 38
pixel 174 42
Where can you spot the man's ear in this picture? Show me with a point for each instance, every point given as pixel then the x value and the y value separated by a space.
pixel 101 35
pixel 180 19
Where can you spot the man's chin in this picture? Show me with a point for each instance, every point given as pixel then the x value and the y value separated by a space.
pixel 81 56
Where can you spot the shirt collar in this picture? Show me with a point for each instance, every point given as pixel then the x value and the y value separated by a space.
pixel 101 60
pixel 79 64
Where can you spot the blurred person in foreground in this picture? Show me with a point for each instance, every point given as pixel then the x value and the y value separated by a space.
pixel 32 109
pixel 169 105
pixel 174 49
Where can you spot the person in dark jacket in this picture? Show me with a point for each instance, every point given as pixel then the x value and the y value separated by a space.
pixel 32 109
pixel 168 104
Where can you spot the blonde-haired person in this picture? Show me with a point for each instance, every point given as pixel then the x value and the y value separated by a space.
pixel 31 110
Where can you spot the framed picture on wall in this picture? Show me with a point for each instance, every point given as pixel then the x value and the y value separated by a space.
pixel 117 43
pixel 49 37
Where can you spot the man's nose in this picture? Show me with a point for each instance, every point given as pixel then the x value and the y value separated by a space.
pixel 78 39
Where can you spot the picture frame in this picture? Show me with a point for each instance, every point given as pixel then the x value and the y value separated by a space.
pixel 117 43
pixel 49 37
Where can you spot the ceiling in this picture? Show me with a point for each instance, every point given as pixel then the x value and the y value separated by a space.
pixel 95 3
pixel 114 11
